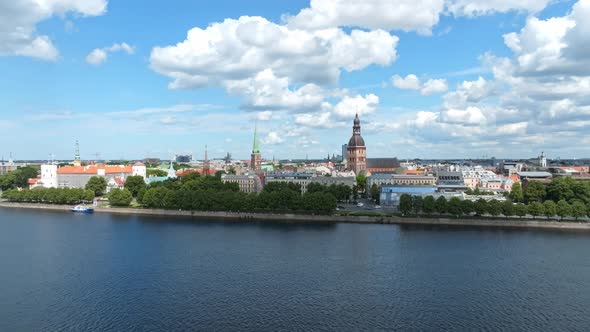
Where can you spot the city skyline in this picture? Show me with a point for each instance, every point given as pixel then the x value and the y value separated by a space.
pixel 466 79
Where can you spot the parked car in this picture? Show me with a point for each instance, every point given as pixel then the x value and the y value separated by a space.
pixel 377 206
pixel 360 204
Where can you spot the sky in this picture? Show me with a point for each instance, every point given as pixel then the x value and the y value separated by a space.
pixel 429 78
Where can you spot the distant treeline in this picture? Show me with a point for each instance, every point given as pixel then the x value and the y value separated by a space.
pixel 49 195
pixel 208 193
pixel 458 207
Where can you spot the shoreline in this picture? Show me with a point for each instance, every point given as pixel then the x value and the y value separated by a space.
pixel 297 218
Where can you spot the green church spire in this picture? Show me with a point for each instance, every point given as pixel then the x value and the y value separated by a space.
pixel 255 147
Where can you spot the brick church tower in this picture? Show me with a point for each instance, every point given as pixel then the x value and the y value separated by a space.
pixel 356 150
pixel 255 157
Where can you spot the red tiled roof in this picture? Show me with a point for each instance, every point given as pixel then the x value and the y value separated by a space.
pixel 93 169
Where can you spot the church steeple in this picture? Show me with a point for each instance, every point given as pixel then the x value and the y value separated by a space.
pixel 77 161
pixel 255 145
pixel 356 150
pixel 255 158
pixel 206 163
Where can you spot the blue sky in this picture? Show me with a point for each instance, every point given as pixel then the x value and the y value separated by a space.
pixel 461 79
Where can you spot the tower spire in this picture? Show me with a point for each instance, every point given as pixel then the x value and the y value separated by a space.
pixel 255 158
pixel 77 161
pixel 255 145
pixel 206 163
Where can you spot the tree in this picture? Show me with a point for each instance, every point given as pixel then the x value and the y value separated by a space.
pixel 361 182
pixel 190 177
pixel 494 207
pixel 97 184
pixel 480 207
pixel 441 205
pixel 535 209
pixel 549 208
pixel 560 188
pixel 22 175
pixel 534 191
pixel 507 208
pixel 405 204
pixel 429 205
pixel 417 203
pixel 375 192
pixel 516 194
pixel 156 172
pixel 563 209
pixel 520 210
pixel 134 184
pixel 578 209
pixel 467 206
pixel 454 206
pixel 120 197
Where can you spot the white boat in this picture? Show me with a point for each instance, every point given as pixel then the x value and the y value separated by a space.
pixel 82 209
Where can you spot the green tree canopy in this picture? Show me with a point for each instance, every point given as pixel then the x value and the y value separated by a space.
pixel 120 197
pixel 375 192
pixel 361 182
pixel 494 207
pixel 507 208
pixel 578 209
pixel 441 205
pixel 564 209
pixel 429 205
pixel 534 191
pixel 549 208
pixel 480 207
pixel 467 206
pixel 454 206
pixel 97 184
pixel 516 194
pixel 134 184
pixel 405 203
pixel 535 209
pixel 520 210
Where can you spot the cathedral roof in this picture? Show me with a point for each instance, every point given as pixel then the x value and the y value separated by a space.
pixel 356 140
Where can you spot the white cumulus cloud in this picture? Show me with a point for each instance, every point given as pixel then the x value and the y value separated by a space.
pixel 100 55
pixel 19 19
pixel 412 82
pixel 433 86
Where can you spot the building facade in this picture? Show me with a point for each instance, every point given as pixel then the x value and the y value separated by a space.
pixel 78 176
pixel 302 179
pixel 349 181
pixel 401 180
pixel 356 151
pixel 248 183
pixel 9 166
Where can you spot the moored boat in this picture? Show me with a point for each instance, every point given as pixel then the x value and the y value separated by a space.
pixel 82 209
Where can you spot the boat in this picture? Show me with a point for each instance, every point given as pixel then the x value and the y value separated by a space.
pixel 82 209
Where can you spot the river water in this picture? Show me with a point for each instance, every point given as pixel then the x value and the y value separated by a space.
pixel 124 273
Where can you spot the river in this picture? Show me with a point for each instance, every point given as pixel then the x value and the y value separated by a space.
pixel 126 273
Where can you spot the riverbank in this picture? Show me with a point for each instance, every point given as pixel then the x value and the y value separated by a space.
pixel 296 218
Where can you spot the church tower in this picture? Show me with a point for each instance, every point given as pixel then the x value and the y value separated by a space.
pixel 356 150
pixel 77 161
pixel 255 158
pixel 206 166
